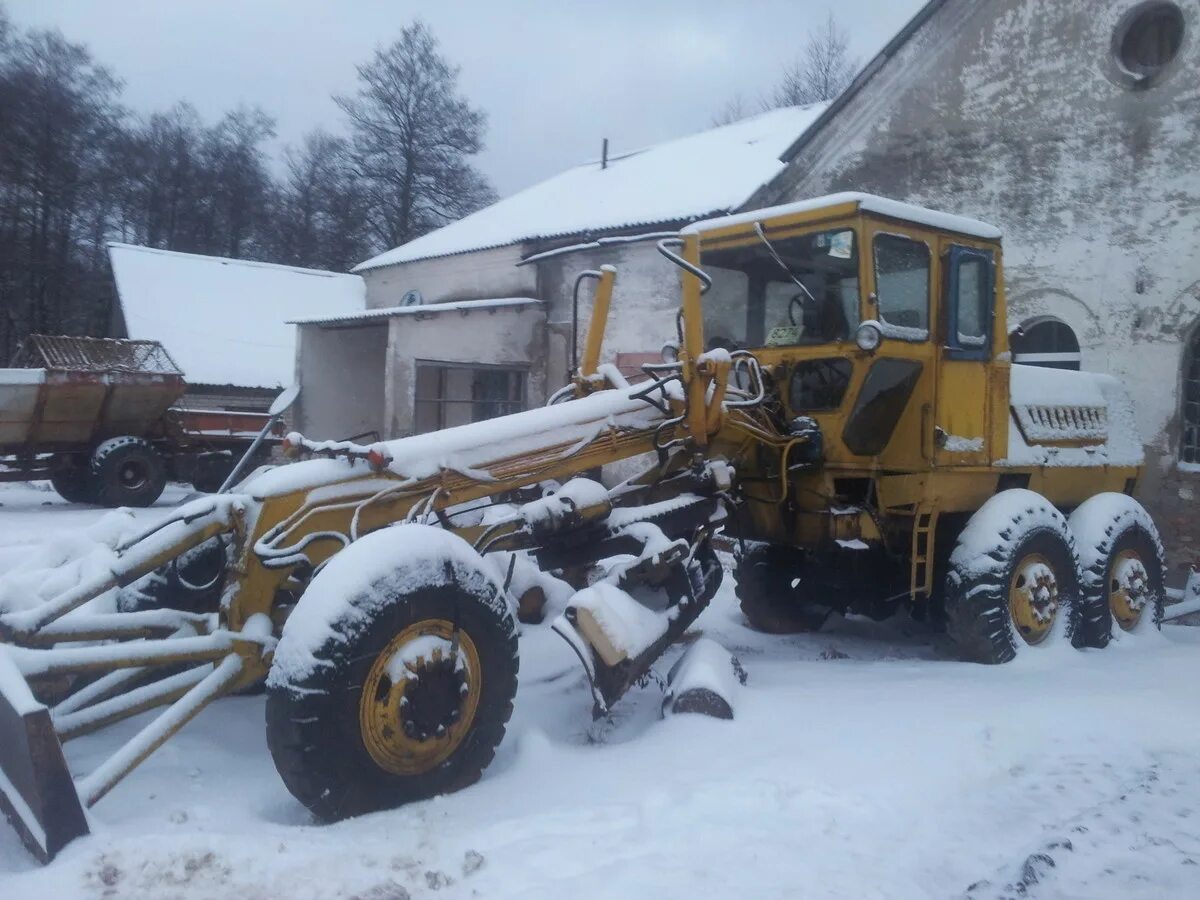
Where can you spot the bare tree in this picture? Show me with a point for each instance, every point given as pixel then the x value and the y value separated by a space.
pixel 734 110
pixel 412 137
pixel 824 69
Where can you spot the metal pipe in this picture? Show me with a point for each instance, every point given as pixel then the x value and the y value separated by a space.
pixel 159 693
pixel 579 279
pixel 141 745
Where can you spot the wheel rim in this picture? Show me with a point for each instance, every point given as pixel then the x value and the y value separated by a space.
pixel 132 475
pixel 419 699
pixel 1033 598
pixel 1128 588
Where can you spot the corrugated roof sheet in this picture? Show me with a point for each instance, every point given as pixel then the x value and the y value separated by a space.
pixel 704 174
pixel 388 312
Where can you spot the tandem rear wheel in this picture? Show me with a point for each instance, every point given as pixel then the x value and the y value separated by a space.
pixel 1022 576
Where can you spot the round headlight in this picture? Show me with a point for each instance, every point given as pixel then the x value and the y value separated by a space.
pixel 670 352
pixel 868 336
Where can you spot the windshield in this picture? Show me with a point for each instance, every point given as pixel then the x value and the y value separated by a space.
pixel 755 300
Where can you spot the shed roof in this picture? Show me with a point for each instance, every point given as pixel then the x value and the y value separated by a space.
pixel 703 174
pixel 370 316
pixel 225 321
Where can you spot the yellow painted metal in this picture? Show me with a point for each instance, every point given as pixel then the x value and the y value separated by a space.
pixel 1033 598
pixel 1128 588
pixel 389 689
pixel 601 302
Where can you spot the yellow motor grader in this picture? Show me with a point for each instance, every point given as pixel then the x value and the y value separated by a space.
pixel 840 402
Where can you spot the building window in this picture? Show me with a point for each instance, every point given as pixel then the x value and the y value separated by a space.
pixel 449 394
pixel 1148 39
pixel 1045 341
pixel 1189 450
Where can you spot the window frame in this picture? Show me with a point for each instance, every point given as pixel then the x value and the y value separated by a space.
pixel 1189 393
pixel 442 403
pixel 955 256
pixel 891 330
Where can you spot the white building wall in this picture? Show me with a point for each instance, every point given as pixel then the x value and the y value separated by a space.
pixel 507 336
pixel 465 276
pixel 340 372
pixel 641 318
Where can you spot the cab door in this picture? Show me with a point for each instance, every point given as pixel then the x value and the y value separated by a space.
pixel 968 325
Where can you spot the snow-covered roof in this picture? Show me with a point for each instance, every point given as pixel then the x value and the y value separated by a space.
pixel 881 206
pixel 225 321
pixel 387 312
pixel 702 174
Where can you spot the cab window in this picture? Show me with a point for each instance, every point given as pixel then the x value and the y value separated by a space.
pixel 798 291
pixel 902 286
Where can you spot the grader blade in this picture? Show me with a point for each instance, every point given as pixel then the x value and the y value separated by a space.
pixel 37 793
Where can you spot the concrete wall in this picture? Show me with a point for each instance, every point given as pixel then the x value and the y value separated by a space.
pixel 509 336
pixel 341 375
pixel 1014 111
pixel 464 276
pixel 642 315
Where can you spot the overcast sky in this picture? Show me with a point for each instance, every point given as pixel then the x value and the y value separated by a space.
pixel 555 77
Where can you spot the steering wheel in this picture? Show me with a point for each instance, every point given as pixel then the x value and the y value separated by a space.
pixel 797 300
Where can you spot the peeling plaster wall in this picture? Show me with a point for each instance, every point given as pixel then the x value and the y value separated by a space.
pixel 483 274
pixel 1015 112
pixel 510 336
pixel 340 371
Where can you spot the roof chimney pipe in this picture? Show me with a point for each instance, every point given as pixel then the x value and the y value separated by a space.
pixel 604 154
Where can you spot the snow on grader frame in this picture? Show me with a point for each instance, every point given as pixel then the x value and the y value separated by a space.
pixel 853 421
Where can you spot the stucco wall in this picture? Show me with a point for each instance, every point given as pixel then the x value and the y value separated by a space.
pixel 510 336
pixel 465 276
pixel 1014 111
pixel 642 315
pixel 341 373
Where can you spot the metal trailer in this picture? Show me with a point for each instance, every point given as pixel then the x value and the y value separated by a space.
pixel 99 418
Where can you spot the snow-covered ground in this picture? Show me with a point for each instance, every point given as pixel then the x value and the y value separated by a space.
pixel 862 763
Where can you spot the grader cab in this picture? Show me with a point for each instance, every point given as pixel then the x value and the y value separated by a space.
pixel 839 402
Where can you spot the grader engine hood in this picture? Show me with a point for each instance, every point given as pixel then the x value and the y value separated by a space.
pixel 1066 418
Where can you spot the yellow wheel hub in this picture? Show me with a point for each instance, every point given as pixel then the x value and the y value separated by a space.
pixel 420 697
pixel 1128 588
pixel 1033 598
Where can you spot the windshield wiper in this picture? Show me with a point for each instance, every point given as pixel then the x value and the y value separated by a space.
pixel 762 236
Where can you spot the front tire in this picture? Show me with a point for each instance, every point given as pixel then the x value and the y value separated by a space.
pixel 1013 579
pixel 395 676
pixel 1123 565
pixel 769 600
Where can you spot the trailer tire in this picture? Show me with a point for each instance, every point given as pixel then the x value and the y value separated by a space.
pixel 71 478
pixel 1013 579
pixel 1123 564
pixel 127 471
pixel 375 715
pixel 768 600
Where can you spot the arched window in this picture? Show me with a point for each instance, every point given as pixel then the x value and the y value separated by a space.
pixel 1189 446
pixel 1045 341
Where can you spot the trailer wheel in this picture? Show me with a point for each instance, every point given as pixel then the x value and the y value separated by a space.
pixel 769 601
pixel 1123 565
pixel 127 471
pixel 1013 579
pixel 395 675
pixel 71 477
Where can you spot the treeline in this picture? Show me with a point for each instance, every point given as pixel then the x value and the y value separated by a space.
pixel 78 169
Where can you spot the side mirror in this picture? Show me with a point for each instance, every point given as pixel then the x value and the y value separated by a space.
pixel 284 401
pixel 868 336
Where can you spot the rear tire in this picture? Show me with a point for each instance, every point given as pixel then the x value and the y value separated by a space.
pixel 127 471
pixel 1013 579
pixel 1123 564
pixel 71 477
pixel 769 601
pixel 367 718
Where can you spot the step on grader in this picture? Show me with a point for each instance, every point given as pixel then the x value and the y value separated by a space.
pixel 840 402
